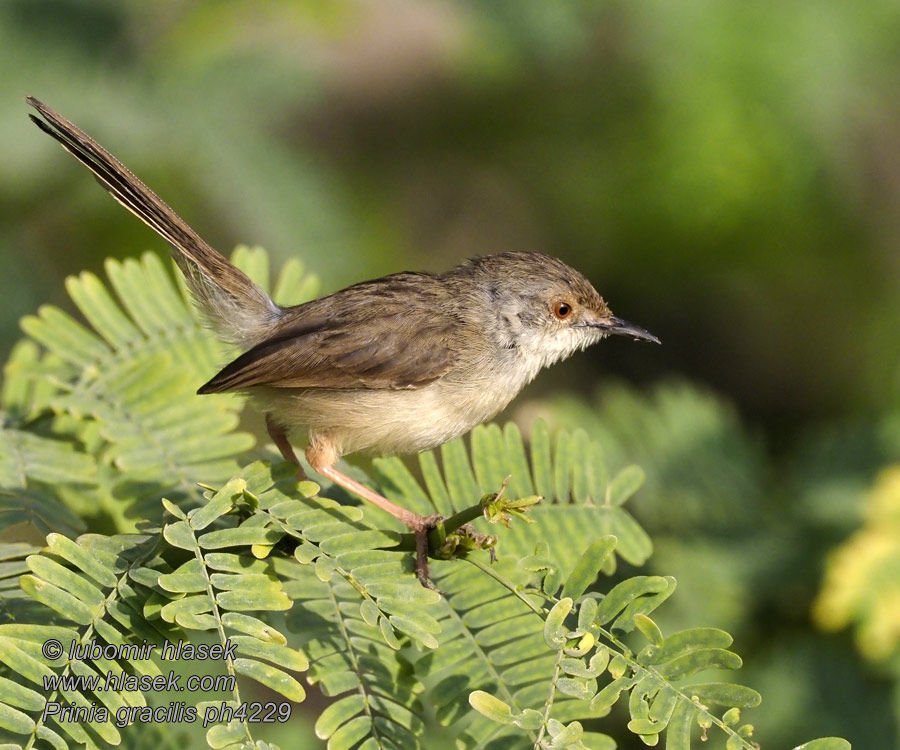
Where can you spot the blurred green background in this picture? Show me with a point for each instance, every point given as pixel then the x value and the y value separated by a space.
pixel 727 174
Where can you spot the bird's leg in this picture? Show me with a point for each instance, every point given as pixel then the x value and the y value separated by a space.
pixel 322 456
pixel 279 437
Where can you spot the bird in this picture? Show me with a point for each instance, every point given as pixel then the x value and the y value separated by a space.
pixel 394 365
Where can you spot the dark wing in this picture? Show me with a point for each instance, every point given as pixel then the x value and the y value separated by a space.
pixel 390 333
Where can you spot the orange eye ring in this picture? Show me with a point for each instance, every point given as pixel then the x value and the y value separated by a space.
pixel 562 310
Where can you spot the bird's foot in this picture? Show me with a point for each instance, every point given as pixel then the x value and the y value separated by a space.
pixel 445 546
pixel 465 539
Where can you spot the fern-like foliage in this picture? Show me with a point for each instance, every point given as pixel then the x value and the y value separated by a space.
pixel 488 623
pixel 690 442
pixel 125 385
pixel 100 423
pixel 572 480
pixel 87 588
pixel 34 468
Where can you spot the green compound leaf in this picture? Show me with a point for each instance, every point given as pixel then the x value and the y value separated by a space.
pixel 17 695
pixel 337 714
pixel 15 721
pixel 254 627
pixel 554 628
pixel 271 677
pixel 62 602
pixel 219 505
pixel 725 694
pixel 491 707
pixel 624 485
pixel 27 457
pixel 825 743
pixel 188 578
pixel 685 641
pixel 588 567
pixel 626 592
pixel 225 735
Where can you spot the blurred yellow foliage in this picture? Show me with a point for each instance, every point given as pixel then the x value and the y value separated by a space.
pixel 862 578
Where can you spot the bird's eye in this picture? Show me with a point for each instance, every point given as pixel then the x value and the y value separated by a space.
pixel 562 310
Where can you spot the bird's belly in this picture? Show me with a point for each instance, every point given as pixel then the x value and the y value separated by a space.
pixel 386 421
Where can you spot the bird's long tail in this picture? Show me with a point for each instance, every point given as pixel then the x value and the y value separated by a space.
pixel 238 310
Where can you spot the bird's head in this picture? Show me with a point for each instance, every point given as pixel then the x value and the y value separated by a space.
pixel 546 309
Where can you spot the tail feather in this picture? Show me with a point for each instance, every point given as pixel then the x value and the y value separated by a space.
pixel 239 311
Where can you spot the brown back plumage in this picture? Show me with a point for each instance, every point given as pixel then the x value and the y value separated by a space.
pixel 390 333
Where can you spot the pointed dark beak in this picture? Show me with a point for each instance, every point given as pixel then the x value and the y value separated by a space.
pixel 624 328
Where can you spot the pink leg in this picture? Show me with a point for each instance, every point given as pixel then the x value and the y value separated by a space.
pixel 413 520
pixel 322 455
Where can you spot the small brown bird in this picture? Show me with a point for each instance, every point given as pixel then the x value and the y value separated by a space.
pixel 398 364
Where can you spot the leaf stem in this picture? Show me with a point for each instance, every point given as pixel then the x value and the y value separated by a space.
pixel 549 703
pixel 507 584
pixel 220 627
pixel 463 517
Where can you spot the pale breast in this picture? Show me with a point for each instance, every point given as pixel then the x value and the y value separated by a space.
pixel 385 421
pixel 390 421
